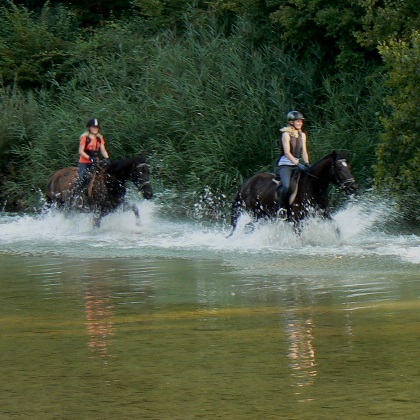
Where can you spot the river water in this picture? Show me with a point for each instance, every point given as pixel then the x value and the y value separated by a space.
pixel 173 320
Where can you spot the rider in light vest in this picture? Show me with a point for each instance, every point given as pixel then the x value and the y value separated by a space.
pixel 293 142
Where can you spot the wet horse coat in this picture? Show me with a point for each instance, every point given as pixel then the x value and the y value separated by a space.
pixel 106 188
pixel 259 198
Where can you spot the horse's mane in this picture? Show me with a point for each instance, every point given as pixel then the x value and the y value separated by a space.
pixel 335 154
pixel 121 164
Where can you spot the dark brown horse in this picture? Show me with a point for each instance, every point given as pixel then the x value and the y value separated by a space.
pixel 106 189
pixel 258 195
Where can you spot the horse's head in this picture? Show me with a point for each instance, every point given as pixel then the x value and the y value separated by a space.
pixel 140 176
pixel 341 174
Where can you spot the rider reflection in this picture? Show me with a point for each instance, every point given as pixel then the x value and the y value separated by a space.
pixel 299 327
pixel 301 349
pixel 99 312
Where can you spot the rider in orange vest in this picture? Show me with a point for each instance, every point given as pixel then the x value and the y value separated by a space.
pixel 91 143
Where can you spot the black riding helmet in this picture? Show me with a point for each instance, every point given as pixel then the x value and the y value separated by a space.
pixel 295 115
pixel 93 122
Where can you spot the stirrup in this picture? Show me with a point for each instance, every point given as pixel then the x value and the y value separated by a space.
pixel 79 202
pixel 282 214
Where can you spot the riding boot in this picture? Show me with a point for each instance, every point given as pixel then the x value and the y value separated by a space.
pixel 80 192
pixel 282 194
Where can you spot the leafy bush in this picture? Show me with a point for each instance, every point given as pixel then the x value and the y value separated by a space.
pixel 398 167
pixel 205 107
pixel 35 46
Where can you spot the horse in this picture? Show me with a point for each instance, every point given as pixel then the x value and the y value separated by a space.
pixel 106 188
pixel 258 195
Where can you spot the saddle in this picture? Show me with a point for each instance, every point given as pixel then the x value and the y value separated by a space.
pixel 83 196
pixel 293 188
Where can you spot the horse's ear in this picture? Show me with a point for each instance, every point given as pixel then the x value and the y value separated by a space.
pixel 334 155
pixel 343 154
pixel 141 158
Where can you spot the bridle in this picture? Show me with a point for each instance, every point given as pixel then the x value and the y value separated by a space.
pixel 345 183
pixel 143 184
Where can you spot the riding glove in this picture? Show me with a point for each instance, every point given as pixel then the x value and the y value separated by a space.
pixel 305 167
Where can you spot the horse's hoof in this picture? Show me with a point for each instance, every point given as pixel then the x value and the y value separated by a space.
pixel 78 203
pixel 137 229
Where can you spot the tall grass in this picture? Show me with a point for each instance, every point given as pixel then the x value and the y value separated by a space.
pixel 205 107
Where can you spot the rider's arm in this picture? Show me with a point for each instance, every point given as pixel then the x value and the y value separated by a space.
pixel 82 147
pixel 305 154
pixel 285 140
pixel 103 150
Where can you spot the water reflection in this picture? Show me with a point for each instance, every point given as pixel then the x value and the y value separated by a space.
pixel 99 318
pixel 300 336
pixel 300 328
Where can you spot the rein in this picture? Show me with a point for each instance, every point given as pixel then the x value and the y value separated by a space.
pixel 346 182
pixel 143 184
pixel 312 175
pixel 342 184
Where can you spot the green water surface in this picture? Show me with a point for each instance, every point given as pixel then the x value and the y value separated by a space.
pixel 168 338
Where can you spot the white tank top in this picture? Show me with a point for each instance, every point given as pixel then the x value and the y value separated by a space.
pixel 284 161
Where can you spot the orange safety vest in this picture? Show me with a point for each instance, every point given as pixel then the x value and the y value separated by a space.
pixel 90 146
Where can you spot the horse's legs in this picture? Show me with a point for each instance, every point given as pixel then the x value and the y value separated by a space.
pixel 136 213
pixel 327 216
pixel 235 212
pixel 97 218
pixel 250 226
pixel 297 227
pixel 134 209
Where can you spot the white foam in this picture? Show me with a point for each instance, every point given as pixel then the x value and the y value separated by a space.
pixel 360 225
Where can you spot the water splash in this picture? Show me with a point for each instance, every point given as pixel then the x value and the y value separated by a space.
pixel 359 229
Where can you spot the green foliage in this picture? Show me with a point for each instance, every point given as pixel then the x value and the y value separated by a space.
pixel 205 107
pixel 33 46
pixel 348 119
pixel 205 98
pixel 398 165
pixel 385 20
pixel 88 12
pixel 331 23
pixel 20 124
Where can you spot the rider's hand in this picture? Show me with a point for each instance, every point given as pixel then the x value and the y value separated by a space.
pixel 92 160
pixel 107 161
pixel 302 167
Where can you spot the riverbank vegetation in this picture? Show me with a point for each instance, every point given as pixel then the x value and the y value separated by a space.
pixel 203 88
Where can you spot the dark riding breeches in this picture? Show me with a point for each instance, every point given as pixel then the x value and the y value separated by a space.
pixel 289 176
pixel 84 171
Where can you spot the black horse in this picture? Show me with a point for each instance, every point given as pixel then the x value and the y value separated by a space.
pixel 106 188
pixel 258 195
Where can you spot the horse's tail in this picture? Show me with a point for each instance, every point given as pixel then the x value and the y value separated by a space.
pixel 235 212
pixel 50 193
